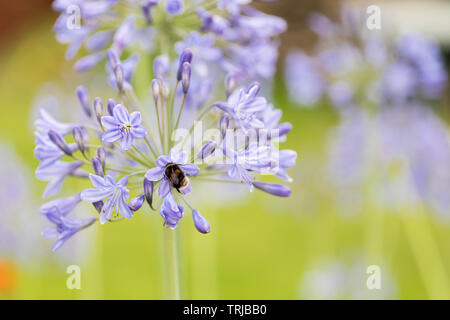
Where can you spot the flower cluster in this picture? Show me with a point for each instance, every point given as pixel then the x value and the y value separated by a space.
pixel 354 66
pixel 382 87
pixel 131 159
pixel 230 34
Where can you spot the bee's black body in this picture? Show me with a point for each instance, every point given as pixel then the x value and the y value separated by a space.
pixel 176 176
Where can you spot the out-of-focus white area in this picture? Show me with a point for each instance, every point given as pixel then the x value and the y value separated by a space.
pixel 429 17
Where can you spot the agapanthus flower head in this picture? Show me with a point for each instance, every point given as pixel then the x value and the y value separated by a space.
pixel 387 69
pixel 123 127
pixel 64 228
pixel 383 86
pixel 124 159
pixel 225 32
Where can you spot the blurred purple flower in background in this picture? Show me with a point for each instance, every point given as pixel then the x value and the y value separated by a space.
pixel 383 87
pixel 230 31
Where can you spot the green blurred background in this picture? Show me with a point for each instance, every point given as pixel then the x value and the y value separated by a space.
pixel 259 248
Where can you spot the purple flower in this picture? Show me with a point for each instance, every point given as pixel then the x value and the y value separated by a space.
pixel 256 60
pixel 171 211
pixel 341 94
pixel 286 160
pixel 128 67
pixel 398 83
pixel 48 152
pixel 46 122
pixel 56 174
pixel 303 81
pixel 146 7
pixel 137 202
pixel 115 193
pixel 244 106
pixel 200 223
pixel 64 227
pixel 254 158
pixel 202 46
pixel 124 35
pixel 321 25
pixel 166 166
pixel 88 62
pixel 64 205
pixel 425 56
pixel 174 6
pixel 233 6
pixel 278 190
pixel 161 66
pixel 123 126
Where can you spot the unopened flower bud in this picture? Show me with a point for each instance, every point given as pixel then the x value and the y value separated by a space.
pixel 200 223
pixel 98 108
pixel 79 138
pixel 207 150
pixel 118 72
pixel 164 90
pixel 161 66
pixel 185 76
pixel 97 167
pixel 58 140
pixel 224 124
pixel 88 62
pixel 112 58
pixel 148 191
pixel 146 9
pixel 110 106
pixel 98 206
pixel 230 83
pixel 156 89
pixel 136 203
pixel 253 89
pixel 284 128
pixel 101 155
pixel 278 190
pixel 186 56
pixel 83 97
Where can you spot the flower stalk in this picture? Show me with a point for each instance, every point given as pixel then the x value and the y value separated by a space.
pixel 172 270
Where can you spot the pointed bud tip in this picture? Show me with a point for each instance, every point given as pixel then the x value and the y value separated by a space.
pixel 200 223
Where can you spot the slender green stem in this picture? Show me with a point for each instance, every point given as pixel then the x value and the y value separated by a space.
pixel 170 111
pixel 171 259
pixel 179 113
pixel 159 120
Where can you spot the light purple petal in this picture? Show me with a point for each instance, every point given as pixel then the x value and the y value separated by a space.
pixel 98 182
pixel 121 114
pixel 94 195
pixel 109 123
pixel 139 132
pixel 112 136
pixel 164 188
pixel 163 161
pixel 190 169
pixel 187 189
pixel 53 187
pixel 124 210
pixel 50 233
pixel 127 141
pixel 123 182
pixel 155 174
pixel 135 119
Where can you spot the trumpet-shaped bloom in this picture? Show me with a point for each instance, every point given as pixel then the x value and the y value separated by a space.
pixel 123 126
pixel 64 228
pixel 159 172
pixel 115 194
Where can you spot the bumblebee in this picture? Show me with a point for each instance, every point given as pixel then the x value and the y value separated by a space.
pixel 176 176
